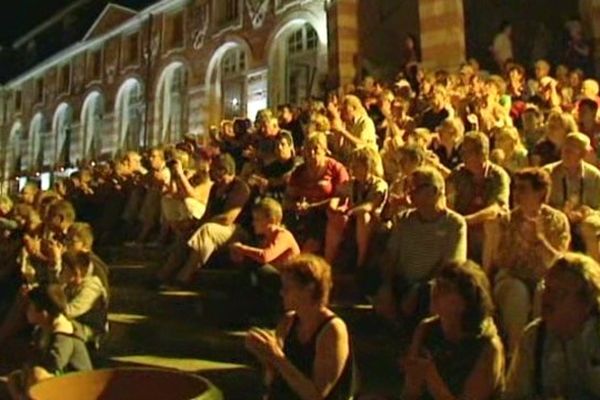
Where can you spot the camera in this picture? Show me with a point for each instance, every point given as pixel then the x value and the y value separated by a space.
pixel 171 163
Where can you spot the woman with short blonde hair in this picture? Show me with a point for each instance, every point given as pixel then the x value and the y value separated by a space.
pixel 309 356
pixel 358 201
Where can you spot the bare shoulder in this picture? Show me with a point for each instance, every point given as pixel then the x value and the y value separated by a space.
pixel 333 331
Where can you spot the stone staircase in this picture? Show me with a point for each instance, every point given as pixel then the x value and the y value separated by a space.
pixel 192 331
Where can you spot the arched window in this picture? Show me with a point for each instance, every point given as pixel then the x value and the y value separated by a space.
pixel 130 111
pixel 233 83
pixel 302 47
pixel 16 141
pixel 62 130
pixel 37 133
pixel 92 118
pixel 170 106
pixel 303 39
pixel 298 60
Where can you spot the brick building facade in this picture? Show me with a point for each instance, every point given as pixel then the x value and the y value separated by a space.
pixel 142 78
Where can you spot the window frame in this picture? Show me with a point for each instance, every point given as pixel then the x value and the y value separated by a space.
pixel 62 86
pixel 128 43
pixel 39 90
pixel 219 25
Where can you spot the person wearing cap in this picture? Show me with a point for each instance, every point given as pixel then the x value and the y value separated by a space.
pixel 576 190
pixel 423 239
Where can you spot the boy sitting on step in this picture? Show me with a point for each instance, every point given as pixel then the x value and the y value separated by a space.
pixel 58 349
pixel 86 294
pixel 274 245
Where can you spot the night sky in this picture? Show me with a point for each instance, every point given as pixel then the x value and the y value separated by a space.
pixel 20 16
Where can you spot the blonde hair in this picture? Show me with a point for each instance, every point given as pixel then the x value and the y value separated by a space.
pixel 511 133
pixel 318 139
pixel 320 123
pixel 183 157
pixel 83 232
pixel 567 120
pixel 354 102
pixel 582 140
pixel 455 124
pixel 270 209
pixel 6 201
pixel 226 122
pixel 369 158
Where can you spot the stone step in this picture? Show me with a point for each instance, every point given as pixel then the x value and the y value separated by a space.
pixel 131 274
pixel 190 329
pixel 140 334
pixel 137 265
pixel 133 254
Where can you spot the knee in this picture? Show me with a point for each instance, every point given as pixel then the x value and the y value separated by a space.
pixel 589 228
pixel 384 304
pixel 363 218
pixel 205 231
pixel 510 292
pixel 39 374
pixel 336 222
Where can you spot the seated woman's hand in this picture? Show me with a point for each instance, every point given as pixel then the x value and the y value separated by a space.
pixel 421 369
pixel 263 344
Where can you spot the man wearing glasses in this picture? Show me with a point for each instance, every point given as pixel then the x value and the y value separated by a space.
pixel 423 239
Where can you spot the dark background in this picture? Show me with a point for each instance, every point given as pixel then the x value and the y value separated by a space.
pixel 20 16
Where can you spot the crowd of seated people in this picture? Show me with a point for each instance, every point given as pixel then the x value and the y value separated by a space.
pixel 457 201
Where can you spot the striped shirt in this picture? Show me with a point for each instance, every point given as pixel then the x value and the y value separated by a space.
pixel 417 248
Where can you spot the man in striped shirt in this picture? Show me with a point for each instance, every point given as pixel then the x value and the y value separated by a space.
pixel 423 239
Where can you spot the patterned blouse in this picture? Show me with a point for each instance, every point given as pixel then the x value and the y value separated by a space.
pixel 529 260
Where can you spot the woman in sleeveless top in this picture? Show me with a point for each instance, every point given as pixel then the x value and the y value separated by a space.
pixel 309 356
pixel 457 353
